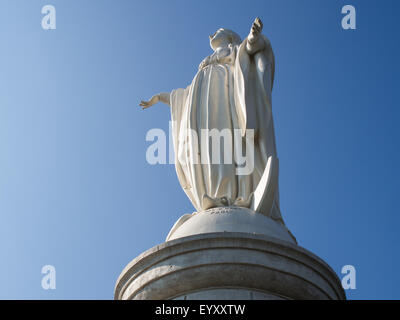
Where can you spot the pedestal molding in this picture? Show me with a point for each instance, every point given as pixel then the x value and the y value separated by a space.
pixel 163 261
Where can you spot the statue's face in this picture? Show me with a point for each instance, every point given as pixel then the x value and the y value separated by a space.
pixel 218 38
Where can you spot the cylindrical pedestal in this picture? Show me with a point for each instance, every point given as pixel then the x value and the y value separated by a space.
pixel 228 265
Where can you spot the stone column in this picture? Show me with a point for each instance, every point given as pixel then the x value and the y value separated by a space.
pixel 228 253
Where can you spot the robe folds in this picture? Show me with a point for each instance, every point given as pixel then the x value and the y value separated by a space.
pixel 232 94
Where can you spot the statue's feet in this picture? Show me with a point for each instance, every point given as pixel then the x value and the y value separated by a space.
pixel 209 202
pixel 242 202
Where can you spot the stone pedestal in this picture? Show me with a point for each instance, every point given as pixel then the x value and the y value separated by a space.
pixel 216 255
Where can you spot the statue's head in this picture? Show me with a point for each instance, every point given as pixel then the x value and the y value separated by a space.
pixel 224 37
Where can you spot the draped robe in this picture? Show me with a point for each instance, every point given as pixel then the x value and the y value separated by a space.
pixel 233 92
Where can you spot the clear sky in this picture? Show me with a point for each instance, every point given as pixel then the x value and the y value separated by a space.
pixel 76 191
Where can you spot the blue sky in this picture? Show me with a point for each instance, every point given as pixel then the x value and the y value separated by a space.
pixel 76 191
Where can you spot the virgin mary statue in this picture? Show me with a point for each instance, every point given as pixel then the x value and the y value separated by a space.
pixel 230 95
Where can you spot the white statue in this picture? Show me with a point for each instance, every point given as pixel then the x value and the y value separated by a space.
pixel 231 90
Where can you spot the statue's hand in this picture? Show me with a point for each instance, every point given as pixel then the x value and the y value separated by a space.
pixel 204 63
pixel 256 29
pixel 147 104
pixel 257 26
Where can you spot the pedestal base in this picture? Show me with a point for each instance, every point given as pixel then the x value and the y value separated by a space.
pixel 228 265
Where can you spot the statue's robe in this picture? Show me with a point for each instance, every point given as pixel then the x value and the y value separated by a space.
pixel 234 93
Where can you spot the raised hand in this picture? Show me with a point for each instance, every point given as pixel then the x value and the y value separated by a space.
pixel 257 26
pixel 255 41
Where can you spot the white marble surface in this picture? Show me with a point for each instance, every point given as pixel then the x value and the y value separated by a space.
pixel 231 91
pixel 229 219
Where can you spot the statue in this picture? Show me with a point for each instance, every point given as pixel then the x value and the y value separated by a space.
pixel 236 246
pixel 231 91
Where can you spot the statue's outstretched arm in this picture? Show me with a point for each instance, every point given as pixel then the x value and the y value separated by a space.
pixel 163 97
pixel 255 41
